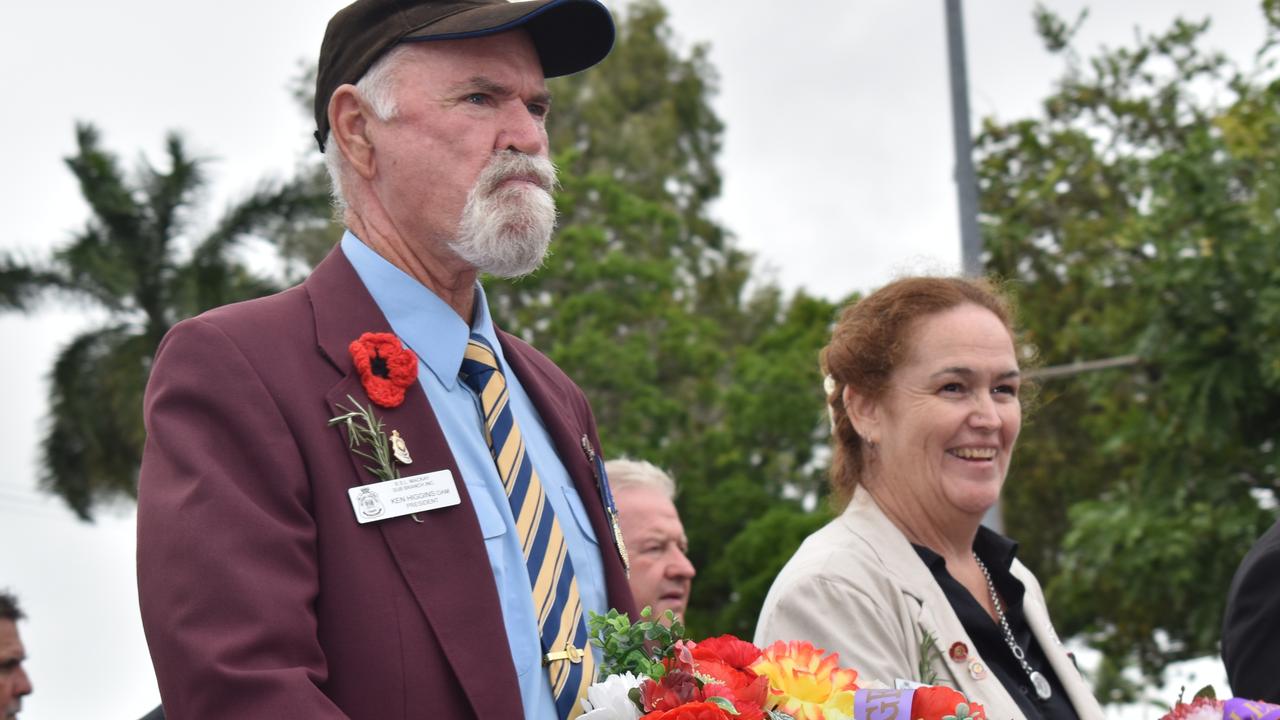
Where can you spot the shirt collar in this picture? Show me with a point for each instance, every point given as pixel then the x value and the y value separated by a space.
pixel 422 320
pixel 996 550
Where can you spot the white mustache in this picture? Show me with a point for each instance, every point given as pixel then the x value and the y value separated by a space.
pixel 508 164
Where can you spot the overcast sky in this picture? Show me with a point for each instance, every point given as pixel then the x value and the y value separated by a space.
pixel 837 170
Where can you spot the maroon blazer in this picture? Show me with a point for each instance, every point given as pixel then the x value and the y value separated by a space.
pixel 261 595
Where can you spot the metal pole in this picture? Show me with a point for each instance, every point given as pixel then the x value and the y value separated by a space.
pixel 966 182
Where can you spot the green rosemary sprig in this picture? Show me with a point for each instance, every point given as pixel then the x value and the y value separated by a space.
pixel 928 651
pixel 365 429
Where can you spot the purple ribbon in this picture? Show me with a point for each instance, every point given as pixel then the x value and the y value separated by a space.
pixel 1241 709
pixel 885 704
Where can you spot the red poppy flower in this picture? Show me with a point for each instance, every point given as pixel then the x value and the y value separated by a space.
pixel 691 711
pixel 935 703
pixel 386 367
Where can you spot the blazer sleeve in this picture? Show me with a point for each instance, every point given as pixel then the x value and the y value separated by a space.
pixel 227 576
pixel 838 617
pixel 1251 625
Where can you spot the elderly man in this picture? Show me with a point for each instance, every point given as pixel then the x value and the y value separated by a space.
pixel 661 573
pixel 14 683
pixel 360 499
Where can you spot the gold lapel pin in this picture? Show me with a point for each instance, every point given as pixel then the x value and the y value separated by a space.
pixel 399 449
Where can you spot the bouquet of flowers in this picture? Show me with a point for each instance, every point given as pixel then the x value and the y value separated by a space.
pixel 651 671
pixel 1206 706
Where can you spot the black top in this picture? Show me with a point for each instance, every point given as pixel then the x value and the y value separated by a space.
pixel 997 553
pixel 1251 626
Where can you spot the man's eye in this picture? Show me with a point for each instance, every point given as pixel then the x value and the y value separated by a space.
pixel 1010 390
pixel 477 98
pixel 538 110
pixel 952 387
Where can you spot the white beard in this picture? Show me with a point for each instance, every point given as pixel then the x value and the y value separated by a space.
pixel 505 229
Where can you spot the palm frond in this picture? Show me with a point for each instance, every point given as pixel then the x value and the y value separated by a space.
pixel 23 283
pixel 104 186
pixel 94 443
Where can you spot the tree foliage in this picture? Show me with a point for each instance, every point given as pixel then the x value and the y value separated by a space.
pixel 1139 216
pixel 134 261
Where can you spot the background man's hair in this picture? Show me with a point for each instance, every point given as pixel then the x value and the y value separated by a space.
pixel 9 609
pixel 625 473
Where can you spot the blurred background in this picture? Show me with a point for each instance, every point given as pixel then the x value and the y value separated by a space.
pixel 732 174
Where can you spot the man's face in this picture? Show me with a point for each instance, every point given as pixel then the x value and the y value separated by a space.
pixel 458 102
pixel 14 683
pixel 660 571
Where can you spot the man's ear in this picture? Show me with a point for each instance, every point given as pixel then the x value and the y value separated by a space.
pixel 864 413
pixel 349 120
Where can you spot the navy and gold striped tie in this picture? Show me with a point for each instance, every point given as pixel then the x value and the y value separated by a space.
pixel 567 657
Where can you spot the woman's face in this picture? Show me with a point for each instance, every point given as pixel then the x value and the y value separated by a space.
pixel 946 425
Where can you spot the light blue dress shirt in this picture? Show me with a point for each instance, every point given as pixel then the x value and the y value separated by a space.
pixel 438 335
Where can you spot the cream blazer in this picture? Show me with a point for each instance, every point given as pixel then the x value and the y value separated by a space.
pixel 858 588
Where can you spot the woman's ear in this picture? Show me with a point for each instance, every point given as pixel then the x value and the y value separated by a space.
pixel 350 123
pixel 864 413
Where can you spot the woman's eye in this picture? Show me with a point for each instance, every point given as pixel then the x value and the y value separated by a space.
pixel 953 387
pixel 1010 390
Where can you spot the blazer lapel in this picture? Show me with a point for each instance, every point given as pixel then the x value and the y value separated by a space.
pixel 936 615
pixel 1082 698
pixel 443 557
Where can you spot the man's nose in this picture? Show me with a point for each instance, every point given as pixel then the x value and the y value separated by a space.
pixel 681 566
pixel 522 131
pixel 21 683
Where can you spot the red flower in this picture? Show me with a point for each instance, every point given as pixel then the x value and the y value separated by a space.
pixel 675 689
pixel 386 367
pixel 935 703
pixel 748 700
pixel 726 660
pixel 691 711
pixel 727 649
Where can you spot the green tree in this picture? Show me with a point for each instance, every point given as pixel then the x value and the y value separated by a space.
pixel 1138 216
pixel 136 262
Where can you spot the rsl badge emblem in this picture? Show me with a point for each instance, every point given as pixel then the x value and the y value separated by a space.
pixel 370 505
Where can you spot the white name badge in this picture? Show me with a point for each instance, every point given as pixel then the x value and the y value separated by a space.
pixel 403 496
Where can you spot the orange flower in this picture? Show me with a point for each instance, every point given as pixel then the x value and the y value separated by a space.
pixel 386 367
pixel 806 683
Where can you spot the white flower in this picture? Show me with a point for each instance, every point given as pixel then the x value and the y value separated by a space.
pixel 607 699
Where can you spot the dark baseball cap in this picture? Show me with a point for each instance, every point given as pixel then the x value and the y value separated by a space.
pixel 569 35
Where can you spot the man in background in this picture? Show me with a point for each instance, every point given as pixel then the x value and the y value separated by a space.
pixel 14 683
pixel 661 573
